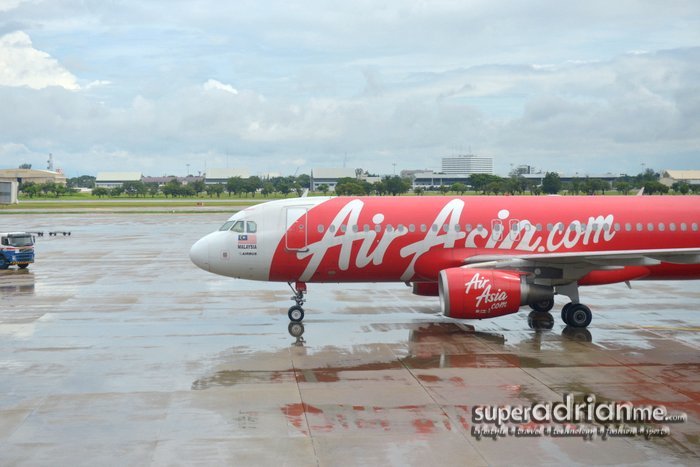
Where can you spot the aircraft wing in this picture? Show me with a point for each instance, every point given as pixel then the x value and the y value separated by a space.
pixel 567 266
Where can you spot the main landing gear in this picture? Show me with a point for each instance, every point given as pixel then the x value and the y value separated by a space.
pixel 296 312
pixel 576 315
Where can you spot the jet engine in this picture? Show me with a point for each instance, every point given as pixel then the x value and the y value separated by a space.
pixel 485 293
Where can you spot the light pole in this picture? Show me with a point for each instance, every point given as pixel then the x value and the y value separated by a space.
pixel 188 169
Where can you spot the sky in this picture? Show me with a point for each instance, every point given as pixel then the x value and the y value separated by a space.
pixel 281 87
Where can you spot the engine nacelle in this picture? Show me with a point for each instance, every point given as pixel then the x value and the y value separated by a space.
pixel 426 289
pixel 485 293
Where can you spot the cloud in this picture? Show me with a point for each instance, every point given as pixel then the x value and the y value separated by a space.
pixel 214 85
pixel 23 65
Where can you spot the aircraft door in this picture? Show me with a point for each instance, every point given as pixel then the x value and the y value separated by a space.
pixel 296 229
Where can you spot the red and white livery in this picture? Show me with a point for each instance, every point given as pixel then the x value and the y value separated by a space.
pixel 483 256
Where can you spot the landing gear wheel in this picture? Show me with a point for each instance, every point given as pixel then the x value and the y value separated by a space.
pixel 295 329
pixel 296 313
pixel 578 316
pixel 540 320
pixel 4 264
pixel 23 266
pixel 563 312
pixel 543 306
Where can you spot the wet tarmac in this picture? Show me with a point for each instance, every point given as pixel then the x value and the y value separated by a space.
pixel 116 350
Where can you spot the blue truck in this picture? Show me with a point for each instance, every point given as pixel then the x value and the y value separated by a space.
pixel 16 248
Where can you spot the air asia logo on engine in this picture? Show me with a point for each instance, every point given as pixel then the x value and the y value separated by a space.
pixel 523 236
pixel 493 300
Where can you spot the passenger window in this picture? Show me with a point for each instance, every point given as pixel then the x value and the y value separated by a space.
pixel 445 228
pixel 251 226
pixel 343 228
pixel 401 228
pixel 662 226
pixel 238 227
pixel 468 227
pixel 411 228
pixel 354 228
pixel 640 227
pixel 320 228
pixel 434 228
pixel 365 228
pixel 695 227
pixel 684 226
pixel 538 227
pixel 377 228
pixel 549 227
pixel 650 227
pixel 672 226
pixel 390 228
pixel 332 228
pixel 617 227
pixel 457 227
pixel 628 227
pixel 423 228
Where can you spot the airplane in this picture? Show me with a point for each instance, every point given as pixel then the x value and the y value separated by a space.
pixel 483 256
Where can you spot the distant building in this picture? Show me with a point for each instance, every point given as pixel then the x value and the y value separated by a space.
pixel 116 179
pixel 33 176
pixel 467 164
pixel 523 169
pixel 8 191
pixel 169 178
pixel 216 176
pixel 429 178
pixel 330 177
pixel 691 177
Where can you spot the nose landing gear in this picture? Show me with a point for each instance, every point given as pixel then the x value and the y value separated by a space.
pixel 296 312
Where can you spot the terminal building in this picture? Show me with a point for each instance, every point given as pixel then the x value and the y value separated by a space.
pixel 428 178
pixel 221 176
pixel 467 164
pixel 330 177
pixel 691 177
pixel 38 177
pixel 116 179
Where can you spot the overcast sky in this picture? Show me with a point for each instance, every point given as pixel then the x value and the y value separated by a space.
pixel 272 86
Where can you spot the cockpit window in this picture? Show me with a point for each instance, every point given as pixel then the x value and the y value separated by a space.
pixel 227 226
pixel 238 227
pixel 252 227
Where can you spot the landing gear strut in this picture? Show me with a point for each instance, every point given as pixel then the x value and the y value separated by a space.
pixel 296 312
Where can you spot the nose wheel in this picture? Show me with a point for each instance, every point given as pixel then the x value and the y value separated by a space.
pixel 296 312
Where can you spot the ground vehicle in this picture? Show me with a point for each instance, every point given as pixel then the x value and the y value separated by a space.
pixel 16 248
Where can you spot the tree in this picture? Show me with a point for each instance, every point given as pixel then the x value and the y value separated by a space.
pixel 623 187
pixel 681 187
pixel 152 188
pixel 234 185
pixel 25 166
pixel 304 180
pixel 84 181
pixel 100 191
pixel 267 189
pixel 116 191
pixel 419 190
pixel 31 189
pixel 215 189
pixel 652 187
pixel 323 188
pixel 458 187
pixel 172 188
pixel 379 188
pixel 576 185
pixel 135 188
pixel 396 185
pixel 198 186
pixel 551 183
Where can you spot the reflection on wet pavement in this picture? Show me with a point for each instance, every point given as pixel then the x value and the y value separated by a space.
pixel 115 349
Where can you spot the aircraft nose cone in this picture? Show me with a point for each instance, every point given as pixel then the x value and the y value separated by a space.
pixel 199 254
